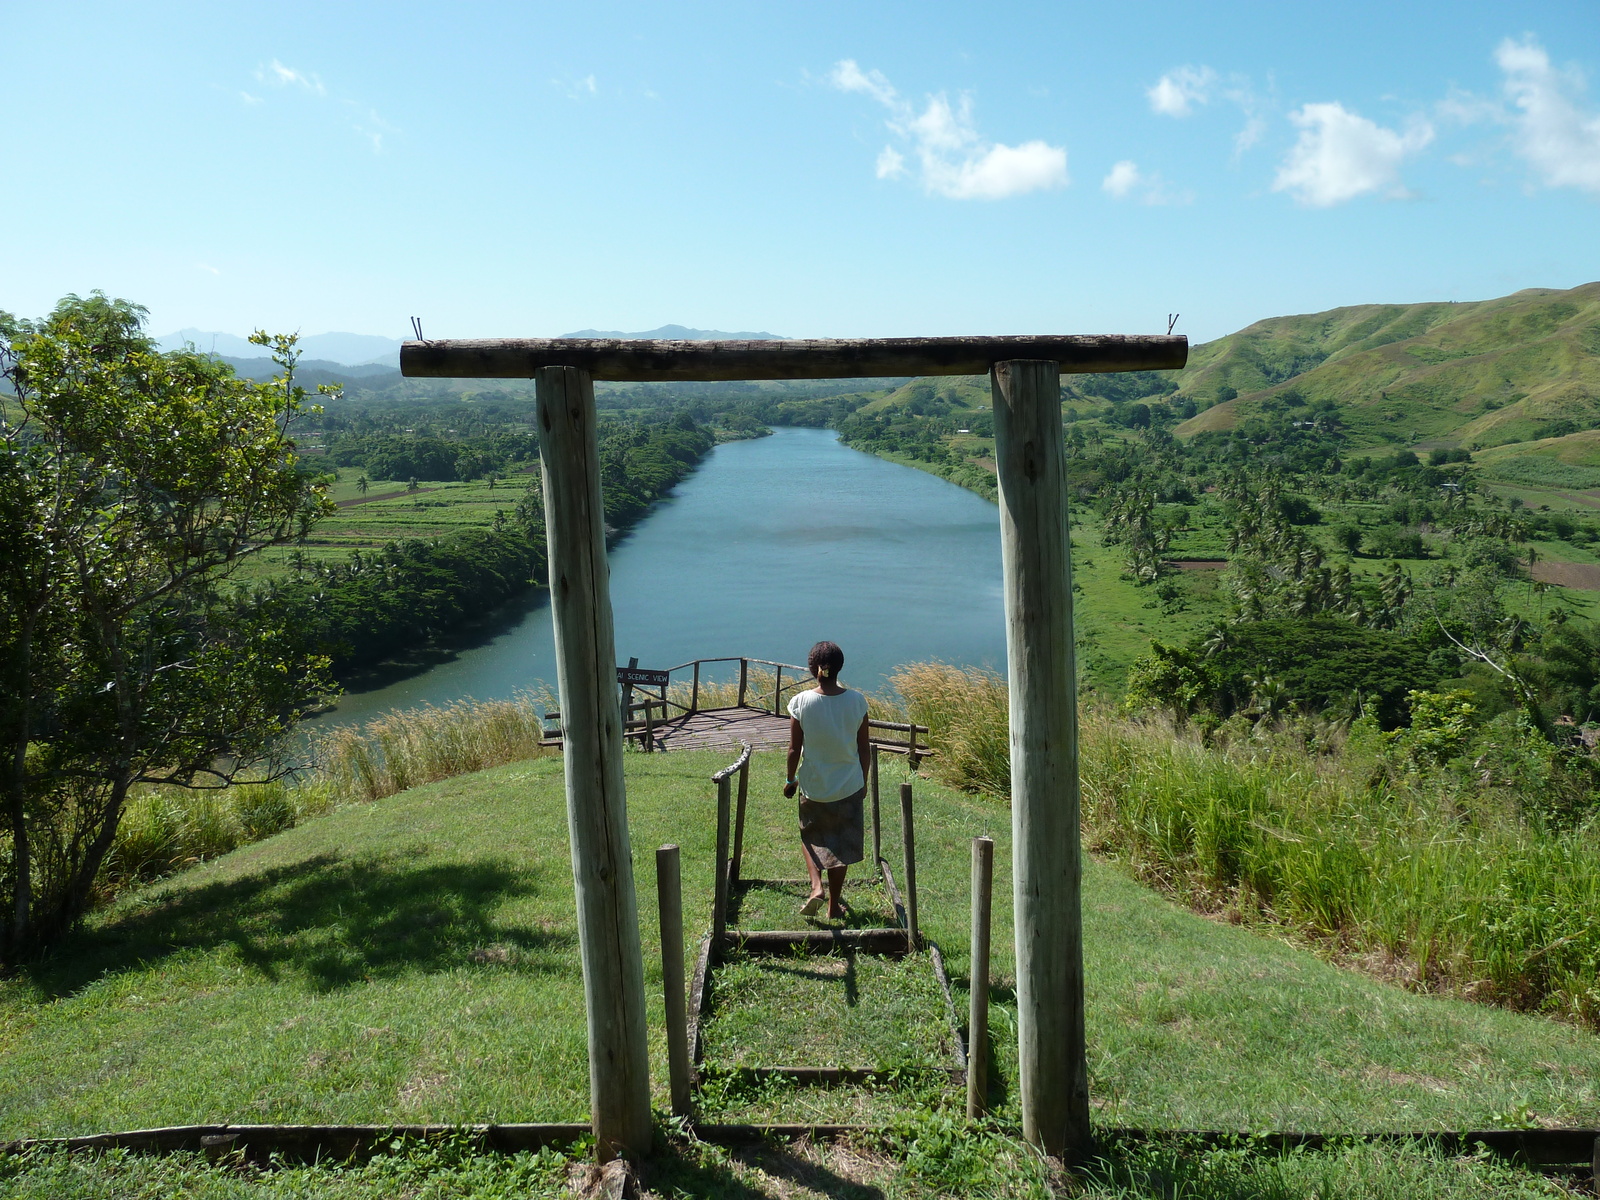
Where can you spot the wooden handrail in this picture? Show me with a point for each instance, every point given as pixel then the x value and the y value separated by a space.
pixel 733 766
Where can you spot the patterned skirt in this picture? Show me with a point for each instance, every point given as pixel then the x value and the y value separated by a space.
pixel 832 830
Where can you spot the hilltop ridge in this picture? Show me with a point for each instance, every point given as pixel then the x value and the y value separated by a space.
pixel 1477 374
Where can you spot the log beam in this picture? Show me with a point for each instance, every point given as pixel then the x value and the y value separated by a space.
pixel 641 361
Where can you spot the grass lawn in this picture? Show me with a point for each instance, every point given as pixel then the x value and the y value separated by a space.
pixel 415 960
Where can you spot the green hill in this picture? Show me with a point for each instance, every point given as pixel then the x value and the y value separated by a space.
pixel 1491 372
pixel 1572 461
pixel 1519 368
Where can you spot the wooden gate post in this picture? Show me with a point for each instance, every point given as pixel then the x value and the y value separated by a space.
pixel 1046 856
pixel 591 730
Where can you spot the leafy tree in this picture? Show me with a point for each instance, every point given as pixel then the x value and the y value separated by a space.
pixel 132 483
pixel 1320 664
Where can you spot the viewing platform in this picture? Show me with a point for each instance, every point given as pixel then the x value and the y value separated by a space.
pixel 684 708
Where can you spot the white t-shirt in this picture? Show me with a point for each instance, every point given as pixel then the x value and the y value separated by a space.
pixel 830 764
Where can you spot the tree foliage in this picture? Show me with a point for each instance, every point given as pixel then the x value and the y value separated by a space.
pixel 132 482
pixel 1264 667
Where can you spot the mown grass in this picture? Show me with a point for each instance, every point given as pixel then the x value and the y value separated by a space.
pixel 414 959
pixel 1440 881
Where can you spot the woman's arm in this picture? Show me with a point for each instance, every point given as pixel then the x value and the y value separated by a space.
pixel 797 741
pixel 864 747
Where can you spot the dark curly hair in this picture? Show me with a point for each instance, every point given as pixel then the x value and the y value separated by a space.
pixel 826 660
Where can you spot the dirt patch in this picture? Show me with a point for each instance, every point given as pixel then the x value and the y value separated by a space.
pixel 1583 576
pixel 1197 564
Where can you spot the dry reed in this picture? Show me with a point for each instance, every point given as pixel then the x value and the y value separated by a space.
pixel 400 750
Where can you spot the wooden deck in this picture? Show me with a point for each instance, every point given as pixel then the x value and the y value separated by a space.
pixel 723 729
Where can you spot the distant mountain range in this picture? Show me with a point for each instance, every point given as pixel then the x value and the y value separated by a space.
pixel 678 333
pixel 328 349
pixel 358 355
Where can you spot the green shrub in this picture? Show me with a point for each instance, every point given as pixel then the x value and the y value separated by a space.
pixel 1321 663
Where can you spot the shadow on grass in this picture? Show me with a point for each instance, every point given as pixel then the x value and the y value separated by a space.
pixel 852 993
pixel 688 1174
pixel 332 920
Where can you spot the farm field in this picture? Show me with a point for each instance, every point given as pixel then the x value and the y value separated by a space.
pixel 388 512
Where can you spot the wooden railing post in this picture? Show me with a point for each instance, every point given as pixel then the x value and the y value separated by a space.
pixel 877 817
pixel 744 679
pixel 592 729
pixel 669 901
pixel 777 689
pixel 908 841
pixel 738 823
pixel 1046 852
pixel 978 991
pixel 694 692
pixel 719 914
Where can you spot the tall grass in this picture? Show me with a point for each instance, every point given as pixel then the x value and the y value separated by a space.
pixel 1444 887
pixel 164 829
pixel 402 749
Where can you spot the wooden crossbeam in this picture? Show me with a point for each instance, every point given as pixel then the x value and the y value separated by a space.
pixel 641 361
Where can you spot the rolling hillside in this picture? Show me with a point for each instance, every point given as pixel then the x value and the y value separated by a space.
pixel 1514 369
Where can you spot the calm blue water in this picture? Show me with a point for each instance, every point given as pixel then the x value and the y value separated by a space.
pixel 769 546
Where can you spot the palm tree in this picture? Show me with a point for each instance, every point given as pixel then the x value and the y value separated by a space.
pixel 361 484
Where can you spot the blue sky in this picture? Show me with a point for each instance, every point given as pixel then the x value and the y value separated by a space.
pixel 815 170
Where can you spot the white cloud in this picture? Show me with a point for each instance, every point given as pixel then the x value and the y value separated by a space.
pixel 275 72
pixel 1341 155
pixel 1254 126
pixel 1127 181
pixel 1558 138
pixel 1177 92
pixel 847 76
pixel 577 89
pixel 207 267
pixel 953 159
pixel 368 124
pixel 1123 179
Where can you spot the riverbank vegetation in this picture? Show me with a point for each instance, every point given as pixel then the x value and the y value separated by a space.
pixel 369 596
pixel 166 829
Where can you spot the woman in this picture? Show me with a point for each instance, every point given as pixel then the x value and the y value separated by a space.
pixel 828 752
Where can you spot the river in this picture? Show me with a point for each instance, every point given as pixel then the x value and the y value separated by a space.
pixel 772 544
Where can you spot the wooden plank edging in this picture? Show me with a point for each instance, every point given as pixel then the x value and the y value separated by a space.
pixel 309 1143
pixel 1564 1148
pixel 815 941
